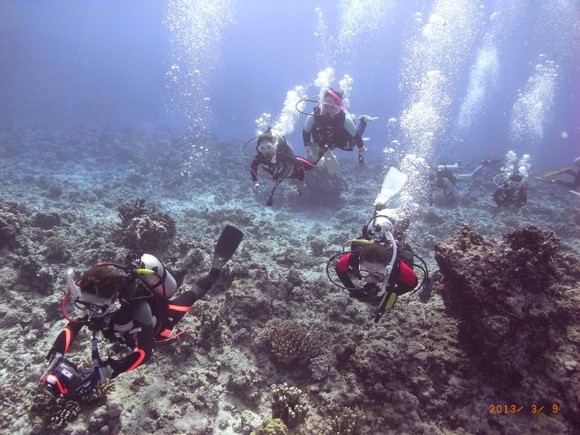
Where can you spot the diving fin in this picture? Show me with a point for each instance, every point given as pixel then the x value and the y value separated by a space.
pixel 330 163
pixel 392 184
pixel 227 244
pixel 369 117
pixel 553 173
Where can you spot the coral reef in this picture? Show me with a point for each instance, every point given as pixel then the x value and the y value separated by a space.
pixel 10 225
pixel 57 412
pixel 346 422
pixel 289 341
pixel 410 373
pixel 274 426
pixel 289 405
pixel 143 229
pixel 46 220
pixel 514 311
pixel 328 189
pixel 56 249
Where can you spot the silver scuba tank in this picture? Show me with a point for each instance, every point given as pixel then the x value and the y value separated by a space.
pixel 161 282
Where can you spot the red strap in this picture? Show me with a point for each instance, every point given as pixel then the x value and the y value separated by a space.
pixel 67 338
pixel 165 333
pixel 182 308
pixel 140 359
pixel 406 275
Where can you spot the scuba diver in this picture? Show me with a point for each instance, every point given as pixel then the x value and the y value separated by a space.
pixel 128 304
pixel 331 126
pixel 575 182
pixel 445 177
pixel 380 264
pixel 512 188
pixel 275 156
pixel 511 191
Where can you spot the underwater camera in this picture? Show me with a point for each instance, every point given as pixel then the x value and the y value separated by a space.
pixel 63 379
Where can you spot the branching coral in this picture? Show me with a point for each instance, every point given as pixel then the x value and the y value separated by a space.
pixel 289 341
pixel 346 422
pixel 273 426
pixel 289 405
pixel 132 210
pixel 57 412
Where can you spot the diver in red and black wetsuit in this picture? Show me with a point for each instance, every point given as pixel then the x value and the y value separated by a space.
pixel 131 305
pixel 275 156
pixel 370 260
pixel 114 305
pixel 379 266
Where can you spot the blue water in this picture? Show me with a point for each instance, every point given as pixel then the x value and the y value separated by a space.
pixel 109 63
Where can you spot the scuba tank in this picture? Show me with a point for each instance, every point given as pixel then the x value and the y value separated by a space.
pixel 161 282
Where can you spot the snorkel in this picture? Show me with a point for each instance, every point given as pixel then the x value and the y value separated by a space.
pixel 340 104
pixel 331 104
pixel 73 292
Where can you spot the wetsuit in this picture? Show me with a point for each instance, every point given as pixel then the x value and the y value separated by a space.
pixel 137 324
pixel 402 279
pixel 511 193
pixel 285 165
pixel 338 131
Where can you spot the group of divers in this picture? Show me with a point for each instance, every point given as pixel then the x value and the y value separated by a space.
pixel 135 303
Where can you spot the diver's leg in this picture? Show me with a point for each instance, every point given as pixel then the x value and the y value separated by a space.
pixel 449 189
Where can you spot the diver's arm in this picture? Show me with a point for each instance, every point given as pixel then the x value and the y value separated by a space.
pixel 254 168
pixel 143 327
pixel 349 125
pixel 307 130
pixel 65 338
pixel 469 175
pixel 342 270
pixel 406 280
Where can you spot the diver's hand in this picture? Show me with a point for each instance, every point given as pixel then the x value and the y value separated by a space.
pixel 53 359
pixel 99 375
pixel 361 155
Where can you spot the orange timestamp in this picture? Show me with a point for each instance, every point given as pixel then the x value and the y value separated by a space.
pixel 513 408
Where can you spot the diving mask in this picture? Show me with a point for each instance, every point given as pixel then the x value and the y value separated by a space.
pixel 373 272
pixel 97 307
pixel 267 148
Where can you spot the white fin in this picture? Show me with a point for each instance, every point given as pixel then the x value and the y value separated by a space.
pixel 392 184
pixel 330 163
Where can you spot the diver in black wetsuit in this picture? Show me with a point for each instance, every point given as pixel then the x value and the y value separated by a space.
pixel 512 191
pixel 128 304
pixel 330 126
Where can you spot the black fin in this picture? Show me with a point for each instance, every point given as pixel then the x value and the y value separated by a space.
pixel 226 246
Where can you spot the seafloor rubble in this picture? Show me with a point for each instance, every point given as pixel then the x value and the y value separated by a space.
pixel 275 348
